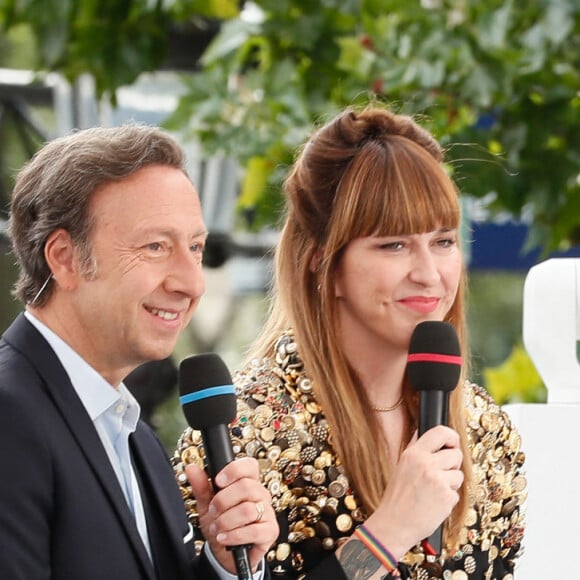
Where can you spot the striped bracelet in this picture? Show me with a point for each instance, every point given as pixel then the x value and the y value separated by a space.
pixel 376 548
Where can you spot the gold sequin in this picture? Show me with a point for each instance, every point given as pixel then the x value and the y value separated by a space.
pixel 350 502
pixel 274 487
pixel 282 551
pixel 304 385
pixel 309 532
pixel 274 453
pixel 332 502
pixel 291 454
pixel 253 447
pixel 470 564
pixel 471 517
pixel 268 434
pixel 319 463
pixel 313 408
pixel 318 477
pixel 343 523
pixel 286 499
pixel 336 489
pixel 265 464
pixel 489 422
pixel 191 455
pixel 514 441
pixel 358 515
pixel 195 437
pixel 519 483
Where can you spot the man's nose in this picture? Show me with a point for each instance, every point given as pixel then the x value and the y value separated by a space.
pixel 186 274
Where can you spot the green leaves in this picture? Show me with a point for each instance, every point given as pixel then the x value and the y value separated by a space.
pixel 515 380
pixel 112 40
pixel 497 81
pixel 501 76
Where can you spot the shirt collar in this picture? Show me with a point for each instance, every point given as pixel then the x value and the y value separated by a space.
pixel 96 394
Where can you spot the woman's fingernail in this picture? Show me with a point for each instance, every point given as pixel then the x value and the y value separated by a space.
pixel 221 537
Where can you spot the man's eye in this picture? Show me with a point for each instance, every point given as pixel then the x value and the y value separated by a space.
pixel 154 246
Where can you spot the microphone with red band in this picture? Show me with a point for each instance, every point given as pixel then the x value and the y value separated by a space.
pixel 434 368
pixel 208 398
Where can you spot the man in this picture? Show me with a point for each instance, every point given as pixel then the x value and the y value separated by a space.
pixel 108 233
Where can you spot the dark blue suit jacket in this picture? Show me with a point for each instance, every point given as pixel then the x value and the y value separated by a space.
pixel 63 515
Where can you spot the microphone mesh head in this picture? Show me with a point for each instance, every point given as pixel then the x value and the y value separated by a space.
pixel 434 361
pixel 198 374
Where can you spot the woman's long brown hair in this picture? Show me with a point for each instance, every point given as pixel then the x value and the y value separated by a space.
pixel 364 173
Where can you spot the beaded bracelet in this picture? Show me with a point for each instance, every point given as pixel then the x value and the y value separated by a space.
pixel 376 548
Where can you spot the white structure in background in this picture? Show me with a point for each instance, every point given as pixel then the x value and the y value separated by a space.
pixel 551 432
pixel 53 84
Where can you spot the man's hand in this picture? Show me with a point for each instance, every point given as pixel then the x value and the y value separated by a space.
pixel 239 513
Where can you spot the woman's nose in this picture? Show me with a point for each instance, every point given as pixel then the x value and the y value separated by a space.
pixel 424 268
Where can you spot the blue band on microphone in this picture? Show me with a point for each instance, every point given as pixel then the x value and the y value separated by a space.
pixel 206 393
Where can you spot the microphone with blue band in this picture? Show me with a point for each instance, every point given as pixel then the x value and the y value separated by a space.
pixel 209 392
pixel 208 399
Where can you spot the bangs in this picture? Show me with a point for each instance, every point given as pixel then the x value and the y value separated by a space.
pixel 395 188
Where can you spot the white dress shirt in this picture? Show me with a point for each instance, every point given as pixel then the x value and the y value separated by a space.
pixel 114 413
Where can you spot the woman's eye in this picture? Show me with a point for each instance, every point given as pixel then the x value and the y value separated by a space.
pixel 154 246
pixel 446 242
pixel 393 246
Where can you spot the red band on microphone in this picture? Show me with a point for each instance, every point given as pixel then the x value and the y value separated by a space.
pixel 434 357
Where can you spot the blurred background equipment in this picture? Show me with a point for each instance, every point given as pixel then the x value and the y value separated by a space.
pixel 152 384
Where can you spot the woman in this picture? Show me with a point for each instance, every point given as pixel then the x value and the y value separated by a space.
pixel 370 249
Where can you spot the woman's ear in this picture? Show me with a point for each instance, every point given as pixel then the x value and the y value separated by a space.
pixel 315 261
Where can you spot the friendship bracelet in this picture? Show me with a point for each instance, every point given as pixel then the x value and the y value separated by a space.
pixel 376 548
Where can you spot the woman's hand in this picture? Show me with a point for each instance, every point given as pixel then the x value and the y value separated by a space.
pixel 422 491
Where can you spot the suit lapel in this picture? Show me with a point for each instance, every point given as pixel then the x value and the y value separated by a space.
pixel 163 503
pixel 25 338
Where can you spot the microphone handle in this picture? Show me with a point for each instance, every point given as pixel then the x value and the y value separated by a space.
pixel 433 411
pixel 218 453
pixel 218 449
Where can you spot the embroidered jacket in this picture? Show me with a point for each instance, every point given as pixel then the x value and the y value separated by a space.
pixel 280 423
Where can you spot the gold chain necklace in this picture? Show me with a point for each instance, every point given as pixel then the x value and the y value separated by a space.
pixel 389 409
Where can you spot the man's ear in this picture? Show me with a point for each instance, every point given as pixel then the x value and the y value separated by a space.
pixel 59 253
